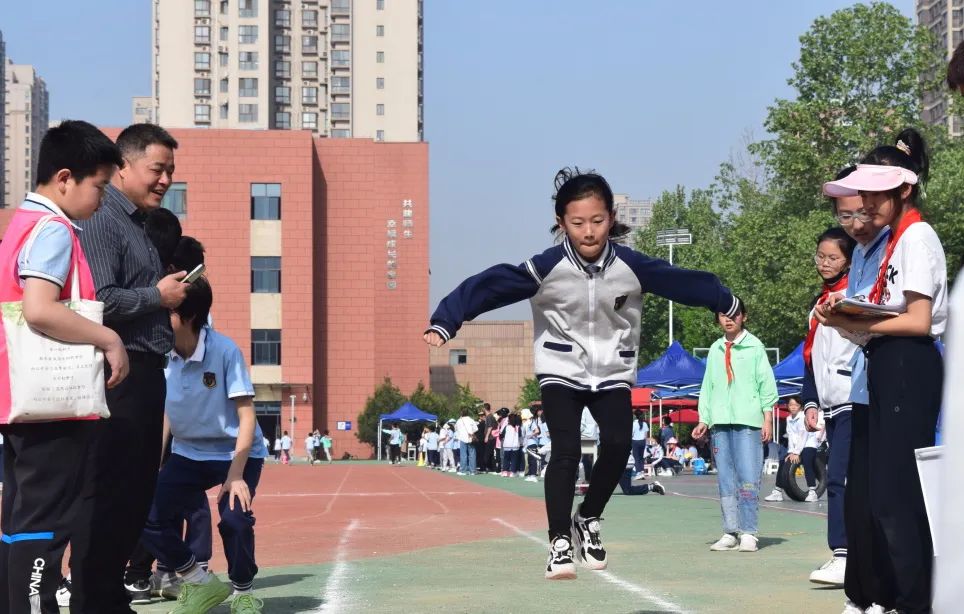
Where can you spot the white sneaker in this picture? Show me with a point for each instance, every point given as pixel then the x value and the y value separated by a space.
pixel 850 608
pixel 532 478
pixel 832 572
pixel 776 495
pixel 812 496
pixel 585 535
pixel 875 609
pixel 639 476
pixel 727 542
pixel 748 543
pixel 459 473
pixel 560 565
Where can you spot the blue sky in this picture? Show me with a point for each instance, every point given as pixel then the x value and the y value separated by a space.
pixel 651 94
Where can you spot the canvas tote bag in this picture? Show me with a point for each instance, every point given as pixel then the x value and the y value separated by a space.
pixel 51 379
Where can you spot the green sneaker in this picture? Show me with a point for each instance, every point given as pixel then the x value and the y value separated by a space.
pixel 246 603
pixel 199 598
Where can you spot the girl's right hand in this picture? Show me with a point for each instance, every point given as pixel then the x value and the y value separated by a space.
pixel 433 339
pixel 116 357
pixel 699 431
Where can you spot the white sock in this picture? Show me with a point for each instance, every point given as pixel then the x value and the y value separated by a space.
pixel 196 575
pixel 240 592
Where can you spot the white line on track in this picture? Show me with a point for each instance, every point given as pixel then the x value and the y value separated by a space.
pixel 334 594
pixel 445 509
pixel 769 507
pixel 608 576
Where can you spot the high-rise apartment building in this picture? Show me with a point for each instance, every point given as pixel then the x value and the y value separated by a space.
pixel 945 19
pixel 27 117
pixel 340 68
pixel 142 110
pixel 634 213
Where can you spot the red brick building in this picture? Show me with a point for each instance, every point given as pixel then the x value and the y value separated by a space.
pixel 317 251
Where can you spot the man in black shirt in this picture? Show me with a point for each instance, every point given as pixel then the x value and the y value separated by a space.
pixel 137 297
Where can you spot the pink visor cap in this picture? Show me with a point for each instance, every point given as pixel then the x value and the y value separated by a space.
pixel 869 178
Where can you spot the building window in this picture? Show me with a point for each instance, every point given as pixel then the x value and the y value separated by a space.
pixel 341 85
pixel 282 43
pixel 267 408
pixel 282 18
pixel 341 58
pixel 247 87
pixel 202 61
pixel 175 199
pixel 309 121
pixel 380 83
pixel 309 19
pixel 202 114
pixel 341 133
pixel 223 86
pixel 379 5
pixel 341 110
pixel 265 274
pixel 380 57
pixel 223 34
pixel 309 44
pixel 282 120
pixel 202 35
pixel 379 109
pixel 309 95
pixel 458 357
pixel 202 87
pixel 265 346
pixel 248 8
pixel 379 135
pixel 340 32
pixel 248 60
pixel 265 201
pixel 223 60
pixel 223 112
pixel 202 8
pixel 247 113
pixel 247 35
pixel 282 69
pixel 282 94
pixel 379 30
pixel 309 70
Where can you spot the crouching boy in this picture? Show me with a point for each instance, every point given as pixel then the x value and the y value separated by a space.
pixel 216 440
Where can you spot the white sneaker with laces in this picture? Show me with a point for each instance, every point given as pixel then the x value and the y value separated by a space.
pixel 776 495
pixel 532 478
pixel 748 543
pixel 725 543
pixel 851 608
pixel 812 496
pixel 560 565
pixel 588 545
pixel 832 572
pixel 875 609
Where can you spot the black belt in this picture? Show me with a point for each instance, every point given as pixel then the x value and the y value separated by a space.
pixel 147 359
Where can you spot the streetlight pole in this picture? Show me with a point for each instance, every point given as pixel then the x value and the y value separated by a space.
pixel 670 238
pixel 293 440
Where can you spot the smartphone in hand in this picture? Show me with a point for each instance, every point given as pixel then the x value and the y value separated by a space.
pixel 193 276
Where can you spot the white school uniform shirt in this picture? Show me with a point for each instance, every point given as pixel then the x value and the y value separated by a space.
pixel 285 442
pixel 918 265
pixel 640 431
pixel 511 439
pixel 798 437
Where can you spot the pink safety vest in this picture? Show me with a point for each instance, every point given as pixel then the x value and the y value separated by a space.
pixel 14 239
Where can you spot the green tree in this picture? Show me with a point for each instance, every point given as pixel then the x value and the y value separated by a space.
pixel 943 204
pixel 860 78
pixel 462 398
pixel 386 399
pixel 529 393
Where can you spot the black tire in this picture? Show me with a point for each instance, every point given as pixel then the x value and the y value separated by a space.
pixel 796 488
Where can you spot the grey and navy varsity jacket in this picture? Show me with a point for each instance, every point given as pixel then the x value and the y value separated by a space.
pixel 586 317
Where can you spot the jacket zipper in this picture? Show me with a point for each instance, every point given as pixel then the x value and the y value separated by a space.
pixel 592 332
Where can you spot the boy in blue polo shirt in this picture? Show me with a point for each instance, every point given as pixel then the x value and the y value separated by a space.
pixel 216 440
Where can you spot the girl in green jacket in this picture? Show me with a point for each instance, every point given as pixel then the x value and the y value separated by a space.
pixel 736 406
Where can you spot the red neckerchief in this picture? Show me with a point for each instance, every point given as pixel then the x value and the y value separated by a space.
pixel 839 286
pixel 911 216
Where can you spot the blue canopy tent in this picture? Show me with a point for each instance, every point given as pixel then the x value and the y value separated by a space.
pixel 790 369
pixel 405 413
pixel 674 372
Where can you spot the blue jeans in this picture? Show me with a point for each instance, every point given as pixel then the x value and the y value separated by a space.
pixel 467 455
pixel 739 466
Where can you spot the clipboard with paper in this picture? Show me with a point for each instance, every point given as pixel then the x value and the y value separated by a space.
pixel 861 308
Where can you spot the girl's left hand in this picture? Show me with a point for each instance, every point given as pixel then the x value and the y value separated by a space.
pixel 766 432
pixel 236 488
pixel 827 317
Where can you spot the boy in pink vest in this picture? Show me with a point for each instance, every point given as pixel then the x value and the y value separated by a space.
pixel 45 461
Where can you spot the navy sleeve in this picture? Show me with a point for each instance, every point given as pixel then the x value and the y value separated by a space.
pixel 498 286
pixel 809 393
pixel 689 287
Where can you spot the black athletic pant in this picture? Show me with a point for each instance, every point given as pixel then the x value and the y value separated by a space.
pixel 487 458
pixel 563 412
pixel 125 456
pixel 45 464
pixel 905 376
